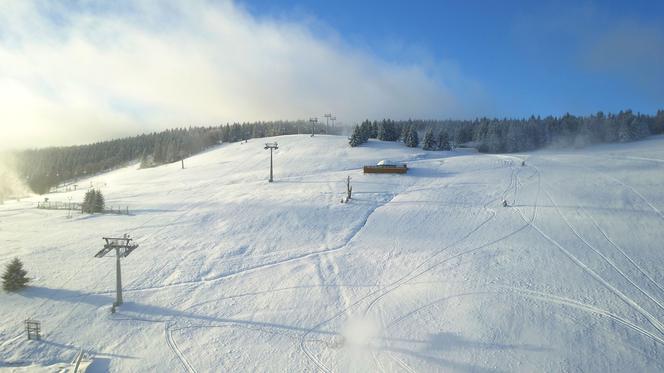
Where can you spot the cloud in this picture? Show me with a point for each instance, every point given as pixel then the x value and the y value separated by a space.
pixel 72 72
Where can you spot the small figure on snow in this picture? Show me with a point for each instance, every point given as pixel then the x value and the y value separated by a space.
pixel 505 203
pixel 523 163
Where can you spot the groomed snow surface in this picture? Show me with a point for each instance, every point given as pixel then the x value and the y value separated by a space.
pixel 419 272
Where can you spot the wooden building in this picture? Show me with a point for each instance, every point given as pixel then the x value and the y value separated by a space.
pixel 386 167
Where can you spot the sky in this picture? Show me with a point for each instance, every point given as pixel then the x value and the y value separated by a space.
pixel 74 72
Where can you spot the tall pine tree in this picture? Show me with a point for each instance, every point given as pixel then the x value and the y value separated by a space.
pixel 356 139
pixel 14 278
pixel 444 141
pixel 93 202
pixel 429 143
pixel 412 139
pixel 99 203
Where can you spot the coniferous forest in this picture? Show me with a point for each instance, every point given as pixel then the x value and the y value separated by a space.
pixel 515 135
pixel 45 168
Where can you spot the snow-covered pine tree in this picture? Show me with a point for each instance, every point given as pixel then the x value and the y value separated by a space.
pixel 365 131
pixel 381 134
pixel 356 137
pixel 512 138
pixel 93 202
pixel 444 141
pixel 429 143
pixel 14 278
pixel 658 123
pixel 638 128
pixel 88 201
pixel 171 151
pixel 374 130
pixel 99 202
pixel 624 134
pixel 412 139
pixel 387 131
pixel 405 131
pixel 493 140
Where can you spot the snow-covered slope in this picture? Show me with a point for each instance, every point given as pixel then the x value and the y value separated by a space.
pixel 422 272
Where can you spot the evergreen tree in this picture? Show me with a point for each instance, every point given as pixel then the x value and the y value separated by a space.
pixel 623 132
pixel 93 202
pixel 14 278
pixel 365 131
pixel 494 140
pixel 405 132
pixel 412 139
pixel 512 139
pixel 381 133
pixel 429 143
pixel 99 202
pixel 444 141
pixel 43 169
pixel 374 130
pixel 89 201
pixel 171 151
pixel 387 131
pixel 657 125
pixel 356 137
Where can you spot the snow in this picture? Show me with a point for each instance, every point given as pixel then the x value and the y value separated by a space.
pixel 418 272
pixel 386 162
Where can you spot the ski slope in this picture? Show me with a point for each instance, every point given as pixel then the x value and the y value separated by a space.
pixel 422 272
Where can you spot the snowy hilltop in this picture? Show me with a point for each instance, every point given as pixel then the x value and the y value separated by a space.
pixel 422 271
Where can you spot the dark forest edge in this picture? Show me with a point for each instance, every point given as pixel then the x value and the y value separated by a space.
pixel 43 169
pixel 514 135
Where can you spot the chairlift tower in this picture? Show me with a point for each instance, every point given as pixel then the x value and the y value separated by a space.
pixel 327 116
pixel 69 207
pixel 313 122
pixel 123 247
pixel 182 157
pixel 272 146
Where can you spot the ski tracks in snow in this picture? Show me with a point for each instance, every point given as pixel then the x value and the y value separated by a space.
pixel 629 301
pixel 273 264
pixel 168 330
pixel 303 345
pixel 626 186
pixel 656 323
pixel 414 274
pixel 583 307
pixel 604 257
pixel 621 251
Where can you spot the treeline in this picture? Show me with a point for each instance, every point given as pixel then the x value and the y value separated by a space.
pixel 43 169
pixel 515 135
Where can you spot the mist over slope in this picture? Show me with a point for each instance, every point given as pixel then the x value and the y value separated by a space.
pixel 421 272
pixel 11 184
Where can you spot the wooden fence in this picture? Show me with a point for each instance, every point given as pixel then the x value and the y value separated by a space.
pixel 57 205
pixel 75 206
